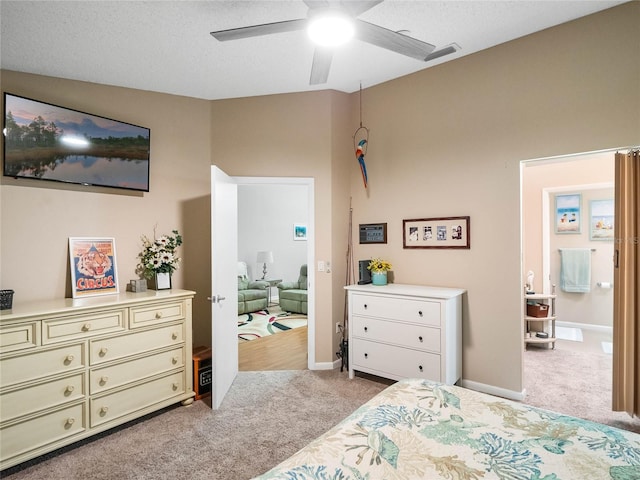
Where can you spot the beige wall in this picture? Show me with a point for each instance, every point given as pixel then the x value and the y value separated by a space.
pixel 444 142
pixel 297 135
pixel 38 217
pixel 448 142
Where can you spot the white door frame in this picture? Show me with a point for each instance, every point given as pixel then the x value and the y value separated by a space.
pixel 309 183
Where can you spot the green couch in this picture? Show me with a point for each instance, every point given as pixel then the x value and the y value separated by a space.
pixel 252 296
pixel 293 295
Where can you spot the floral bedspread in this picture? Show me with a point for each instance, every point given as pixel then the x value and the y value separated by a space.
pixel 416 429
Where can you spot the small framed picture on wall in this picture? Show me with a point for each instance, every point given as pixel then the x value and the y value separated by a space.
pixel 299 231
pixel 567 217
pixel 443 232
pixel 601 217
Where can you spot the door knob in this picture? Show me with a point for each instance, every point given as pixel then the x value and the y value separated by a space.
pixel 216 299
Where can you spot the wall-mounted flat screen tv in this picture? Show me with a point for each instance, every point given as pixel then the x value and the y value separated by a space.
pixel 48 142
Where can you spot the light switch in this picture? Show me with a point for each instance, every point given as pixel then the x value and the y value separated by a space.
pixel 320 266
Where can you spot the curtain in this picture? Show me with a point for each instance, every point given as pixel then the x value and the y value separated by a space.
pixel 626 309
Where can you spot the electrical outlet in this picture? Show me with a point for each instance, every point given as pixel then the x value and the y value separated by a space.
pixel 320 266
pixel 328 267
pixel 337 327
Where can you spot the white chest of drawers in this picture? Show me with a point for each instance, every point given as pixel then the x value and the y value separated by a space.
pixel 405 331
pixel 72 368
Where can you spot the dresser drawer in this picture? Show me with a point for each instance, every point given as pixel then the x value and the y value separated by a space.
pixel 22 368
pixel 107 349
pixel 394 362
pixel 403 309
pixel 40 396
pixel 114 405
pixel 40 431
pixel 62 329
pixel 19 337
pixel 412 336
pixel 101 379
pixel 163 312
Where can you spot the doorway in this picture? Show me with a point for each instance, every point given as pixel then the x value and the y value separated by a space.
pixel 584 324
pixel 268 210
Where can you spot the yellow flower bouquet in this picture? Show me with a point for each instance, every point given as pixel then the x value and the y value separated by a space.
pixel 377 265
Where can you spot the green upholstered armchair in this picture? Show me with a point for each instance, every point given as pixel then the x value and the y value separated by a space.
pixel 252 296
pixel 293 295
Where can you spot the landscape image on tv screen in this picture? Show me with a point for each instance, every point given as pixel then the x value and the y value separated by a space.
pixel 49 142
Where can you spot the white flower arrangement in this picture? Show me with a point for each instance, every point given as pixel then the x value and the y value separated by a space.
pixel 159 255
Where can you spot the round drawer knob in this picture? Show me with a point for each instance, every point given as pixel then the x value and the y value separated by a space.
pixel 366 329
pixel 69 389
pixel 104 410
pixel 104 380
pixel 420 338
pixel 174 386
pixel 365 306
pixel 174 360
pixel 420 312
pixel 158 315
pixel 366 355
pixel 103 351
pixel 86 327
pixel 420 367
pixel 69 358
pixel 174 335
pixel 70 421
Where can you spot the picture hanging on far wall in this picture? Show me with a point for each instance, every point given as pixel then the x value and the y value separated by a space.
pixel 568 213
pixel 93 266
pixel 444 232
pixel 299 231
pixel 601 217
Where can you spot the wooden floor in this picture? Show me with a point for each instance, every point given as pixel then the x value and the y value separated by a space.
pixel 282 351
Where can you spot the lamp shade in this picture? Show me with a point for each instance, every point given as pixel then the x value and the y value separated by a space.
pixel 265 257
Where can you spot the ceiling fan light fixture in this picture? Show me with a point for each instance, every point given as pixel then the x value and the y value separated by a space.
pixel 330 29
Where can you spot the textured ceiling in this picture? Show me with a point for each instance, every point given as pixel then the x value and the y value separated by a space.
pixel 166 46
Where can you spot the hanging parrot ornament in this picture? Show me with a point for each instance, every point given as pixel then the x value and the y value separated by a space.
pixel 360 156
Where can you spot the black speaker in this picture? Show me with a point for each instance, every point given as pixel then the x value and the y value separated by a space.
pixel 363 272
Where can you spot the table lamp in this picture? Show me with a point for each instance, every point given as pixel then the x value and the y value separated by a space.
pixel 264 258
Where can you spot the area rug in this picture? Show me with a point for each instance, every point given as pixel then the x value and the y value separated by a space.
pixel 252 326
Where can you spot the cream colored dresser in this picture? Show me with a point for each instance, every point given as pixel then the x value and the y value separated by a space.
pixel 72 368
pixel 405 331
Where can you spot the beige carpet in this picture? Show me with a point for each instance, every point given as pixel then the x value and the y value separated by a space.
pixel 265 418
pixel 573 383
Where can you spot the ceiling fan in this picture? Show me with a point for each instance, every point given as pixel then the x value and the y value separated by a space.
pixel 344 12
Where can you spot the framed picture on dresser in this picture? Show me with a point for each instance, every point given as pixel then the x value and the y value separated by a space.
pixel 93 266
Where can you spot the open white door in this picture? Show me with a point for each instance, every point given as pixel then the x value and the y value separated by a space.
pixel 224 285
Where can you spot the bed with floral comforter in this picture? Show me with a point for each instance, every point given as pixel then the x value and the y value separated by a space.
pixel 416 429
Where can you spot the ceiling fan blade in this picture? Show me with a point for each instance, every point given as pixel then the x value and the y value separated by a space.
pixel 258 30
pixel 448 50
pixel 394 41
pixel 320 67
pixel 312 4
pixel 356 7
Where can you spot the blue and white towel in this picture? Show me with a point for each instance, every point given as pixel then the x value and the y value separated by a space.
pixel 575 270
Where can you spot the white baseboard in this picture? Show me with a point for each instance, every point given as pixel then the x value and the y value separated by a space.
pixel 478 387
pixel 491 390
pixel 325 365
